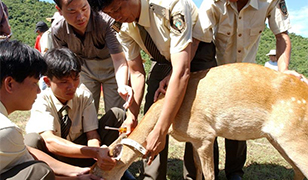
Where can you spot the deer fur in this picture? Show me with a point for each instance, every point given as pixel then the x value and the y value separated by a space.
pixel 235 101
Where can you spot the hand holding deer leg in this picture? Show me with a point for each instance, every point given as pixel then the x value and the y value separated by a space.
pixel 104 161
pixel 155 144
pixel 162 87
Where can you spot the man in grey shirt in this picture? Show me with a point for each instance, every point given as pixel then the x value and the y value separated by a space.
pixel 90 35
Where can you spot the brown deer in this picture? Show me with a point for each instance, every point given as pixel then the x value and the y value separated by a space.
pixel 235 101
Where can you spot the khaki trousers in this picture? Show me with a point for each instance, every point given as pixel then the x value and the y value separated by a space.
pixel 97 74
pixel 32 170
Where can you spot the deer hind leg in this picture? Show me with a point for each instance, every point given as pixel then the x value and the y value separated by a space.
pixel 291 152
pixel 204 158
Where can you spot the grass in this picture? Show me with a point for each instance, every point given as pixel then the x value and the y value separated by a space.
pixel 263 161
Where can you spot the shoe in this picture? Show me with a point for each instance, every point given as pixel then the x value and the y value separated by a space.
pixel 128 176
pixel 234 177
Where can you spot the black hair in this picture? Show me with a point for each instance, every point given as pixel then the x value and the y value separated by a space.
pixel 62 63
pixel 20 61
pixel 58 3
pixel 98 5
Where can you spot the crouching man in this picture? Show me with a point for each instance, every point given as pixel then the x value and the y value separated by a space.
pixel 63 121
pixel 21 67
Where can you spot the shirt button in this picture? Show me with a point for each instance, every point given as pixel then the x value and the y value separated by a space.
pixel 239 51
pixel 240 17
pixel 239 35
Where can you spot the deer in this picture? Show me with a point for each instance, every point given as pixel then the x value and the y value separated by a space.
pixel 239 101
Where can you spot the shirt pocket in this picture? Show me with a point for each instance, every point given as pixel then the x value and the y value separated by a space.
pixel 256 31
pixel 224 35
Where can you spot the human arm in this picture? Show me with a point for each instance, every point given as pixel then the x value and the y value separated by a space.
pixel 173 100
pixel 163 84
pixel 5 27
pixel 63 147
pixel 79 177
pixel 137 75
pixel 93 138
pixel 121 74
pixel 283 53
pixel 60 168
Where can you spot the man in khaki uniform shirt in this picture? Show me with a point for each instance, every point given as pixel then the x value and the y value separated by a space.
pixel 235 26
pixel 170 25
pixel 81 142
pixel 21 67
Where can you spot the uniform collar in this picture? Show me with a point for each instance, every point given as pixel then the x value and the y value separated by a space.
pixel 3 110
pixel 252 3
pixel 144 18
pixel 57 103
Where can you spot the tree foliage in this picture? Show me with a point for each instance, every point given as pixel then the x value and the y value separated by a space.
pixel 24 14
pixel 299 53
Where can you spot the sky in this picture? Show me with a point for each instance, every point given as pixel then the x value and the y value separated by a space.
pixel 298 11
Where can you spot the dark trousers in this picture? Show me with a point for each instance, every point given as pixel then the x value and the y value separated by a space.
pixel 235 157
pixel 113 118
pixel 204 59
pixel 29 170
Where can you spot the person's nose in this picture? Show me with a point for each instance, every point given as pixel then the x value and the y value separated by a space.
pixel 80 16
pixel 38 90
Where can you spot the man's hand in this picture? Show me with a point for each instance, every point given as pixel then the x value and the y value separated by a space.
pixel 130 124
pixel 155 144
pixel 296 74
pixel 104 161
pixel 162 87
pixel 126 92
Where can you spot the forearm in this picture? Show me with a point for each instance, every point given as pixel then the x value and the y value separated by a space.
pixel 121 68
pixel 137 75
pixel 173 100
pixel 93 139
pixel 283 51
pixel 176 90
pixel 58 167
pixel 63 147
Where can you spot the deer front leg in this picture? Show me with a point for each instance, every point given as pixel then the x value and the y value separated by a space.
pixel 204 158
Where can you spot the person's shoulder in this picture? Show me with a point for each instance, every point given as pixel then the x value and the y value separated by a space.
pixel 101 17
pixel 83 92
pixel 5 122
pixel 60 25
pixel 45 97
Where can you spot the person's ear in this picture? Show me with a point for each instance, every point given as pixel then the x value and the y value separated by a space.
pixel 8 84
pixel 46 80
pixel 59 9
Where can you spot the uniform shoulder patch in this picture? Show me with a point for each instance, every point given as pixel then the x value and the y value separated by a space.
pixel 117 26
pixel 283 7
pixel 177 23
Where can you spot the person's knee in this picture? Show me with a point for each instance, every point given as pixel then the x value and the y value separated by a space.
pixel 114 117
pixel 34 140
pixel 42 171
pixel 118 113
